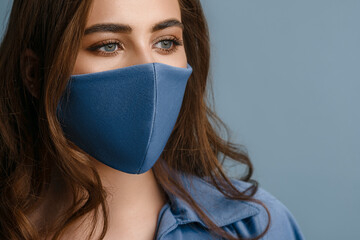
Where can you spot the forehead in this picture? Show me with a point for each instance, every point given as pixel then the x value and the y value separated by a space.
pixel 136 13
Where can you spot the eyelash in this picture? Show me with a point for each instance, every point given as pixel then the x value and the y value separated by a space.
pixel 96 48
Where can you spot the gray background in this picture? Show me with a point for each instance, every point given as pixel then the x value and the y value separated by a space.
pixel 5 7
pixel 287 82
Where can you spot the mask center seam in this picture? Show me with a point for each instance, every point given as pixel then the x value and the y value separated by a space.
pixel 153 119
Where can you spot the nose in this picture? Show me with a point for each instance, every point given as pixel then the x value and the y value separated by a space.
pixel 141 54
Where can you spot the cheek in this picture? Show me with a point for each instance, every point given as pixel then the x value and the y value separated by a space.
pixel 182 59
pixel 177 59
pixel 82 64
pixel 88 63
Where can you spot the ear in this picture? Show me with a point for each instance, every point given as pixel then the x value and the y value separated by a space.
pixel 29 65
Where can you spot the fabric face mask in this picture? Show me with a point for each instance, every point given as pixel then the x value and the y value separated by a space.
pixel 124 117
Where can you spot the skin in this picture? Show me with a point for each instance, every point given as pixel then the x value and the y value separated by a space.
pixel 134 200
pixel 141 45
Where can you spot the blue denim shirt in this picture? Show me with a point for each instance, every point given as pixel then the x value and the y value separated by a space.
pixel 177 220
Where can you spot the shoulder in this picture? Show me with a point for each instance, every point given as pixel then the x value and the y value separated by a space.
pixel 239 218
pixel 282 225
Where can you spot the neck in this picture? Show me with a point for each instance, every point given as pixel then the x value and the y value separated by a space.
pixel 134 202
pixel 131 193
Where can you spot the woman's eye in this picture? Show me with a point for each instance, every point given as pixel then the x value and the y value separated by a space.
pixel 106 48
pixel 109 48
pixel 166 44
pixel 169 45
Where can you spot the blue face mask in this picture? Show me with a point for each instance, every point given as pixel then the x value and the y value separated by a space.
pixel 124 117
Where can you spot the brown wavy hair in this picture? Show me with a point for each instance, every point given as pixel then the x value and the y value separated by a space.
pixel 32 142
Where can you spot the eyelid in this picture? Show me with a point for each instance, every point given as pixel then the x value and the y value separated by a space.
pixel 103 43
pixel 165 37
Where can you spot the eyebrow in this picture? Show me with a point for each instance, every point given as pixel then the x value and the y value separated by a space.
pixel 123 28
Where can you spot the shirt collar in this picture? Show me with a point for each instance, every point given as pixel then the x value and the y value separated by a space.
pixel 222 211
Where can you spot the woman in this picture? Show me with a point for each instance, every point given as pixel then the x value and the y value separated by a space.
pixel 106 132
